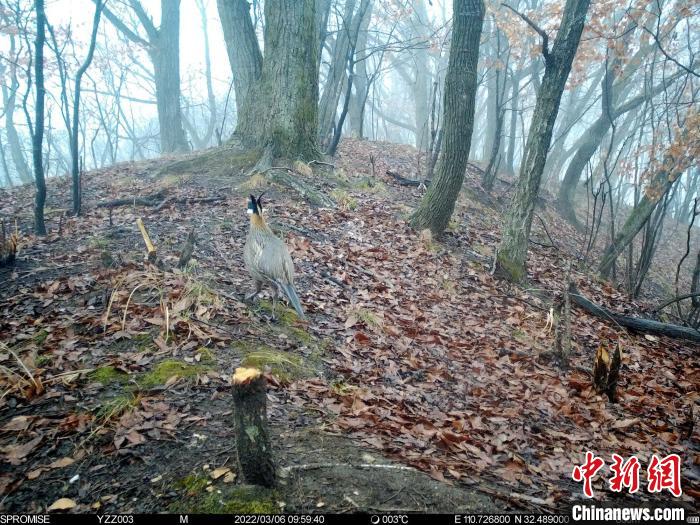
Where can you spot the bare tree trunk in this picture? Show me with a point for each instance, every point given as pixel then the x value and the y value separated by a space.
pixel 166 64
pixel 9 97
pixel 38 127
pixel 436 208
pixel 512 129
pixel 662 182
pixel 163 45
pixel 512 251
pixel 423 80
pixel 356 112
pixel 74 149
pixel 343 53
pixel 594 135
pixel 241 46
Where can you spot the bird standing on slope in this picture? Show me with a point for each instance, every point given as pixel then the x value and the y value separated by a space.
pixel 267 259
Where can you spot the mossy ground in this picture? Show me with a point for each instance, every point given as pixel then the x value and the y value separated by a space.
pixel 202 496
pixel 107 375
pixel 166 369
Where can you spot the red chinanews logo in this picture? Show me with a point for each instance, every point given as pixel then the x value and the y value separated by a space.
pixel 663 473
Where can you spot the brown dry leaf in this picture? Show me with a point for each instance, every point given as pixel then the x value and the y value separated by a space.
pixel 62 504
pixel 17 423
pixel 625 423
pixel 16 453
pixel 36 472
pixel 63 462
pixel 217 473
pixel 229 477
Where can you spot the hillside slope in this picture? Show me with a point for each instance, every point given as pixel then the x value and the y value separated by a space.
pixel 413 352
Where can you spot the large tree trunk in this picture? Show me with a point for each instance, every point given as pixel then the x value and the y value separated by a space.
pixel 165 54
pixel 436 208
pixel 242 47
pixel 281 115
pixel 38 128
pixel 512 251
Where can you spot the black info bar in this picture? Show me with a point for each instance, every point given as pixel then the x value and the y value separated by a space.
pixel 280 519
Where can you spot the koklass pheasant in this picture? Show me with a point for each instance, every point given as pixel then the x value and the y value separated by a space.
pixel 267 259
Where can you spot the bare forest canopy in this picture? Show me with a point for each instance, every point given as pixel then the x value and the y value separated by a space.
pixel 516 162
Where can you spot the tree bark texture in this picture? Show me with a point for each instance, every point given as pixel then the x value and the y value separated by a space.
pixel 252 433
pixel 38 128
pixel 437 205
pixel 74 149
pixel 242 47
pixel 166 65
pixel 281 115
pixel 512 251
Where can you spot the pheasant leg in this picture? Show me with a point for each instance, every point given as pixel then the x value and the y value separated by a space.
pixel 253 294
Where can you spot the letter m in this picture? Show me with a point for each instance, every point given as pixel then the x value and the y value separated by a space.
pixel 184 519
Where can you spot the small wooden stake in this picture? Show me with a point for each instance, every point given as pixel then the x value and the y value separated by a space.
pixel 151 250
pixel 252 435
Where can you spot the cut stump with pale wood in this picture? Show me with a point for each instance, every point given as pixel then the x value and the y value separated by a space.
pixel 252 434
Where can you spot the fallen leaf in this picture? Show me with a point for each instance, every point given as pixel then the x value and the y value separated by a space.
pixel 62 504
pixel 218 472
pixel 63 462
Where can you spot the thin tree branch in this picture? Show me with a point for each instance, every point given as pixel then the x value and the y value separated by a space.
pixel 538 30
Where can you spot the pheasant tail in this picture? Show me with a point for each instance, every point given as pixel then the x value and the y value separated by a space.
pixel 291 294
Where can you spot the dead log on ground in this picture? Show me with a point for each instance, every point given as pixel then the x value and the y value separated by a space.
pixel 403 181
pixel 158 200
pixel 252 434
pixel 634 323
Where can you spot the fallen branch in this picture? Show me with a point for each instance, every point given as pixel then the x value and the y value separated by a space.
pixel 403 181
pixel 148 200
pixel 157 200
pixel 634 323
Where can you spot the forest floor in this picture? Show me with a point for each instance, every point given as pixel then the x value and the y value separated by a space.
pixel 420 382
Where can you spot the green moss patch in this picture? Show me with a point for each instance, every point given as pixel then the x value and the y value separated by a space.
pixel 40 337
pixel 167 369
pixel 107 375
pixel 237 499
pixel 283 365
pixel 285 316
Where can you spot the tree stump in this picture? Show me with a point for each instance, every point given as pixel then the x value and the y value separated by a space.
pixel 606 371
pixel 252 435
